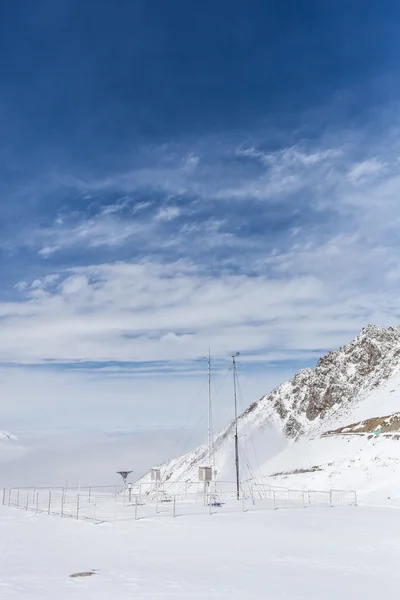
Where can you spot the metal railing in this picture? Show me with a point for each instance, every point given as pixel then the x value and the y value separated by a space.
pixel 112 503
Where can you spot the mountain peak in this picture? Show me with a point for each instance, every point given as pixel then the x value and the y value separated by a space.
pixel 378 332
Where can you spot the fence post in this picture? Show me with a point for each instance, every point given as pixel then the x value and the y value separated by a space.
pixel 77 507
pixel 90 494
pixel 94 511
pixel 330 498
pixel 136 509
pixel 115 494
pixel 9 496
pixel 33 495
pixel 273 498
pixel 157 503
pixel 209 506
pixel 27 501
pixel 4 495
pixel 62 503
pixel 355 498
pixel 174 513
pixel 49 509
pixel 37 502
pixel 18 499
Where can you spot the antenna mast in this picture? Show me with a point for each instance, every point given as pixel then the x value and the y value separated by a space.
pixel 236 426
pixel 209 408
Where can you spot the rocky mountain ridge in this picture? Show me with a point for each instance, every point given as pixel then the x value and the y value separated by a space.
pixel 337 380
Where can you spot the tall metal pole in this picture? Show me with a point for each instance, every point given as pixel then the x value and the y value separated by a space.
pixel 236 427
pixel 209 407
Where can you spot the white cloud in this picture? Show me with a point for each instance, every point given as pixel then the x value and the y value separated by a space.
pixel 48 250
pixel 205 172
pixel 294 155
pixel 74 284
pixel 191 162
pixel 365 170
pixel 103 230
pixel 144 311
pixel 168 213
pixel 322 277
pixel 286 172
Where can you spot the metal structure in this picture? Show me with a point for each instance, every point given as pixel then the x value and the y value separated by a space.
pixel 209 432
pixel 156 475
pixel 236 427
pixel 210 439
pixel 101 504
pixel 124 475
pixel 205 474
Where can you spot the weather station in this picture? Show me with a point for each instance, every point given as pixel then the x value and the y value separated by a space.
pixel 124 475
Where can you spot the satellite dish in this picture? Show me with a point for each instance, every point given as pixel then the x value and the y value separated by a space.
pixel 124 475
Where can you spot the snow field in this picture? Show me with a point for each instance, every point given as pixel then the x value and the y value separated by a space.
pixel 344 552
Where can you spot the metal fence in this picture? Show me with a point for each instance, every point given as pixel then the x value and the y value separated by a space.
pixel 111 503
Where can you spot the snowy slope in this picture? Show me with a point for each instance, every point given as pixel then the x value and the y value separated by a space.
pixel 346 452
pixel 284 431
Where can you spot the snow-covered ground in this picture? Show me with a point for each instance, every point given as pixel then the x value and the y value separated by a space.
pixel 312 554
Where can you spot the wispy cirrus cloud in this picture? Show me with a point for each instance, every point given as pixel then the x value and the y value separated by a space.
pixel 274 248
pixel 365 169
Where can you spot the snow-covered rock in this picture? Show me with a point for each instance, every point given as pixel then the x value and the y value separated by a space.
pixel 5 435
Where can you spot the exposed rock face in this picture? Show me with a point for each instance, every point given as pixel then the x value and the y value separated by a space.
pixel 338 378
pixel 299 406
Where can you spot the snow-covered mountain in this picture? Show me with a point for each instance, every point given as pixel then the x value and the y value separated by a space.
pixel 5 435
pixel 337 425
pixel 10 449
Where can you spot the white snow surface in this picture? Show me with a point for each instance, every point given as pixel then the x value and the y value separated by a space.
pixel 298 554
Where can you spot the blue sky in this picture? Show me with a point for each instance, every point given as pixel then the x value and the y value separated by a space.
pixel 176 176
